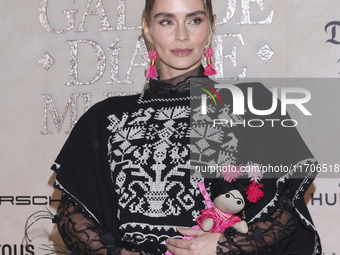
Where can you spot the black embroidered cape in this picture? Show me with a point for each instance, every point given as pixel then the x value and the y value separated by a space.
pixel 127 177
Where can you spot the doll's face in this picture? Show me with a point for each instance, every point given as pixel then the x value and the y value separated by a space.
pixel 230 202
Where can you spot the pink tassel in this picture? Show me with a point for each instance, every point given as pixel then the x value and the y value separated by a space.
pixel 254 172
pixel 152 73
pixel 231 172
pixel 254 192
pixel 210 69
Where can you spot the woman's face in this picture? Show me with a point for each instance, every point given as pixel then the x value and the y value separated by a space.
pixel 179 31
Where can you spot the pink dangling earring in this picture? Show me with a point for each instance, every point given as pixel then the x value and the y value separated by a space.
pixel 210 69
pixel 152 73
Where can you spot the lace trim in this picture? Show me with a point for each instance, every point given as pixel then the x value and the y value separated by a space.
pixel 177 84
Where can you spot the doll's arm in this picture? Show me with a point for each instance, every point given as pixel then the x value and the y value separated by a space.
pixel 81 235
pixel 241 227
pixel 271 234
pixel 207 224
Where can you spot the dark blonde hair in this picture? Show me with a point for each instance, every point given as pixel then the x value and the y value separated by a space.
pixel 207 7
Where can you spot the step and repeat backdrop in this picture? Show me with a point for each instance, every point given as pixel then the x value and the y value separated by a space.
pixel 59 57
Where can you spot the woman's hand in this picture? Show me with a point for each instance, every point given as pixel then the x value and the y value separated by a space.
pixel 204 244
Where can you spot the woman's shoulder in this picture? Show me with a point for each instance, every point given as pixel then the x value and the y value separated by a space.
pixel 121 99
pixel 113 105
pixel 117 102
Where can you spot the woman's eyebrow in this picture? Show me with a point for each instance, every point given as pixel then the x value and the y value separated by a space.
pixel 164 15
pixel 191 14
pixel 172 15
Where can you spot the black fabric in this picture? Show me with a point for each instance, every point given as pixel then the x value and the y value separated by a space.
pixel 145 139
pixel 82 175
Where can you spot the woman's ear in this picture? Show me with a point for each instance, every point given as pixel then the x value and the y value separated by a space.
pixel 146 30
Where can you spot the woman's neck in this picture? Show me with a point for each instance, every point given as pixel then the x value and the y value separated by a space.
pixel 168 73
pixel 177 84
pixel 196 72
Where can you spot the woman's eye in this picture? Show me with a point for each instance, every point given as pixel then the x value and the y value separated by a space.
pixel 227 195
pixel 165 22
pixel 239 202
pixel 196 21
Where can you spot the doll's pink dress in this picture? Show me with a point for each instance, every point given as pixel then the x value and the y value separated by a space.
pixel 221 219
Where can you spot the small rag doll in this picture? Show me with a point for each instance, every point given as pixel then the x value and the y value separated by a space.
pixel 230 196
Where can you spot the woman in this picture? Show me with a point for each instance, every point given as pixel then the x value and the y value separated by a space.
pixel 125 169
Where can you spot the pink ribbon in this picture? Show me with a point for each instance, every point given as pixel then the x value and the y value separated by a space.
pixel 205 194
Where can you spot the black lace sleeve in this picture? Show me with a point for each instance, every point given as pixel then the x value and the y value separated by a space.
pixel 269 236
pixel 80 234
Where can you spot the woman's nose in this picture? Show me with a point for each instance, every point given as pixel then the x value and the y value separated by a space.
pixel 182 33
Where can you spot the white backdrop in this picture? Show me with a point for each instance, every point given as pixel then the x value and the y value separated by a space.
pixel 295 30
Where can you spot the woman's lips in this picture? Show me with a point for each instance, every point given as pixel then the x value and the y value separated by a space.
pixel 181 52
